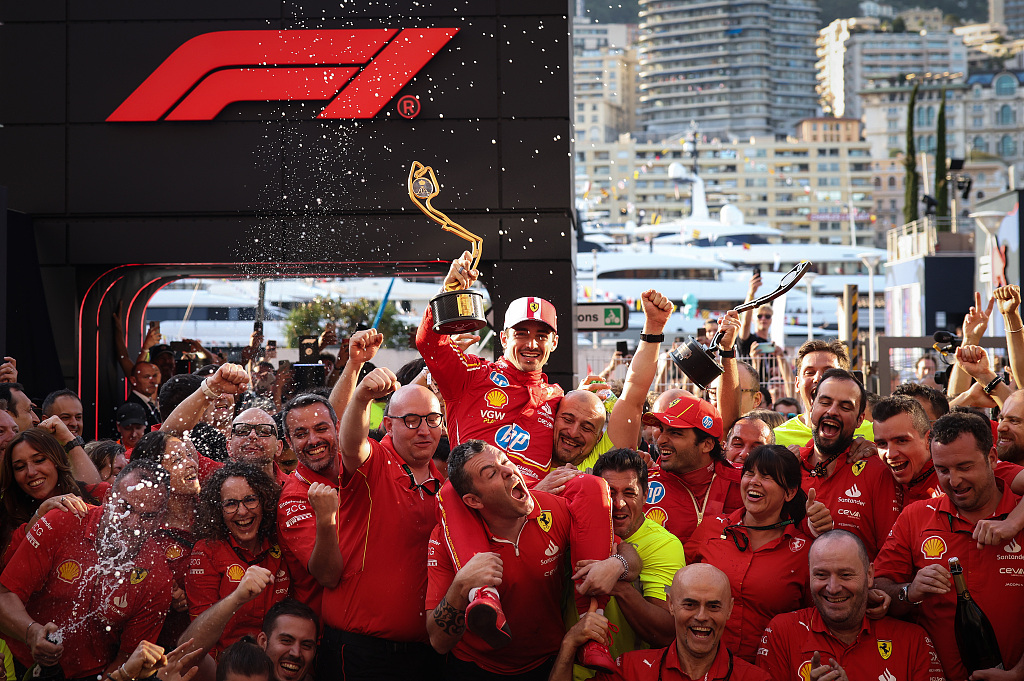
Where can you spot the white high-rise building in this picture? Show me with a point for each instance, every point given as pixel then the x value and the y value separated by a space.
pixel 739 69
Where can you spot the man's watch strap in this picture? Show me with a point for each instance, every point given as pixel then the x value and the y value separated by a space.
pixel 728 354
pixel 652 337
pixel 71 444
pixel 904 595
pixel 993 384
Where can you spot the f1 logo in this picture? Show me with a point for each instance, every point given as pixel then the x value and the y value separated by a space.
pixel 357 70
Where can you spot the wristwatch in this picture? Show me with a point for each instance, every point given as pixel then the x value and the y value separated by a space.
pixel 71 444
pixel 652 337
pixel 727 354
pixel 993 384
pixel 904 595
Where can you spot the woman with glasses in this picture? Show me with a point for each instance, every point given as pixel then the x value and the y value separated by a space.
pixel 236 570
pixel 762 547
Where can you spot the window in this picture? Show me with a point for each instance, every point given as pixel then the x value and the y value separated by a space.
pixel 878 182
pixel 1007 146
pixel 892 182
pixel 980 144
pixel 1005 85
pixel 1006 115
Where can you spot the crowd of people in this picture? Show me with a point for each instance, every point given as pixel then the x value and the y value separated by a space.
pixel 463 518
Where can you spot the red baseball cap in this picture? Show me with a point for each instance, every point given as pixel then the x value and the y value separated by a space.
pixel 527 309
pixel 688 412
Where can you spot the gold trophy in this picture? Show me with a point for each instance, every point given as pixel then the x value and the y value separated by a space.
pixel 455 310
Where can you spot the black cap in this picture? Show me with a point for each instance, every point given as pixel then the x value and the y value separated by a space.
pixel 130 414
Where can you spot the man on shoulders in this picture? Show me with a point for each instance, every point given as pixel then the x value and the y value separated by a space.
pixel 912 565
pixel 700 602
pixel 836 636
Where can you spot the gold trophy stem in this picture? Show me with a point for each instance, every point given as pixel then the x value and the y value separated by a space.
pixel 429 190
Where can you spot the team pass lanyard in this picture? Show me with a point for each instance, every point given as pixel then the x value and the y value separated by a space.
pixel 704 505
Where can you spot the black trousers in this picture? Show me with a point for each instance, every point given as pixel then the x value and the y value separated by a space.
pixel 344 656
pixel 460 670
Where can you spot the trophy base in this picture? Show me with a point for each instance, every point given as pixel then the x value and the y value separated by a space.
pixel 697 363
pixel 458 312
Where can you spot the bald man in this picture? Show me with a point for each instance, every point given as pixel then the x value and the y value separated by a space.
pixel 254 440
pixel 700 602
pixel 375 587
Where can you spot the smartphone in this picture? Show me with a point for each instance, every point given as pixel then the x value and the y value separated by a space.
pixel 766 348
pixel 757 271
pixel 258 327
pixel 623 347
pixel 702 335
pixel 181 346
pixel 308 349
pixel 271 352
pixel 271 344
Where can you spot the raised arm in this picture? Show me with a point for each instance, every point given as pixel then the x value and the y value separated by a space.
pixel 975 323
pixel 355 422
pixel 447 622
pixel 206 629
pixel 82 467
pixel 362 348
pixel 1008 298
pixel 230 379
pixel 748 315
pixel 729 385
pixel 624 422
pixel 974 361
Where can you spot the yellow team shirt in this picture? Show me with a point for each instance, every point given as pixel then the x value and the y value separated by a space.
pixel 794 432
pixel 662 555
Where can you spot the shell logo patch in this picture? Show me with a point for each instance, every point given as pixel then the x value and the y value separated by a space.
pixel 275 551
pixel 174 552
pixel 496 398
pixel 805 671
pixel 933 547
pixel 657 514
pixel 137 575
pixel 884 649
pixel 858 467
pixel 544 520
pixel 235 572
pixel 69 571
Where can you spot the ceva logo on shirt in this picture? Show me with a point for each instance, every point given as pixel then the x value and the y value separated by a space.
pixel 655 492
pixel 512 438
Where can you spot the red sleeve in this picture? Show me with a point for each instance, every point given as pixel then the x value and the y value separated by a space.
pixel 1007 472
pixel 202 583
pixel 895 560
pixel 296 528
pixel 207 466
pixel 32 562
pixel 887 502
pixel 447 363
pixel 924 662
pixel 440 572
pixel 773 653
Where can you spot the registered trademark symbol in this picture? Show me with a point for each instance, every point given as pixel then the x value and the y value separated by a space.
pixel 408 107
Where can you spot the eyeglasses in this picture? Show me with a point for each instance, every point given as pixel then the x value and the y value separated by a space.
pixel 764 316
pixel 231 505
pixel 431 486
pixel 262 429
pixel 412 421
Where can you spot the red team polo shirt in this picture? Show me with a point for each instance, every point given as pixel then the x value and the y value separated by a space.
pixel 54 572
pixel 662 664
pixel 887 649
pixel 930 533
pixel 771 580
pixel 493 401
pixel 296 530
pixel 216 568
pixel 383 531
pixel 673 500
pixel 532 586
pixel 862 497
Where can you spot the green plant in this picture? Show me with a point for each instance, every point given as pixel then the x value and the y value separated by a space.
pixel 308 319
pixel 910 163
pixel 941 169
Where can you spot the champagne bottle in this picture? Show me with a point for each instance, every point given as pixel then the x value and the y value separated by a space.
pixel 974 634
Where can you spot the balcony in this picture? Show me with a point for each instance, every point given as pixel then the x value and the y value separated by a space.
pixel 922 237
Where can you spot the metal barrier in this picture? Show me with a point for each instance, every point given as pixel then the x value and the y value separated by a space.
pixel 899 355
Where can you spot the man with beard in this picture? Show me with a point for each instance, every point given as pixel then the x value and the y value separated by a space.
pixel 289 637
pixel 700 602
pixel 912 565
pixel 694 478
pixel 836 635
pixel 373 597
pixel 310 541
pixel 862 496
pixel 814 358
pixel 100 583
pixel 1010 445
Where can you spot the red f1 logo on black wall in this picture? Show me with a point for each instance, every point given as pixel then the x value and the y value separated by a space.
pixel 358 70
